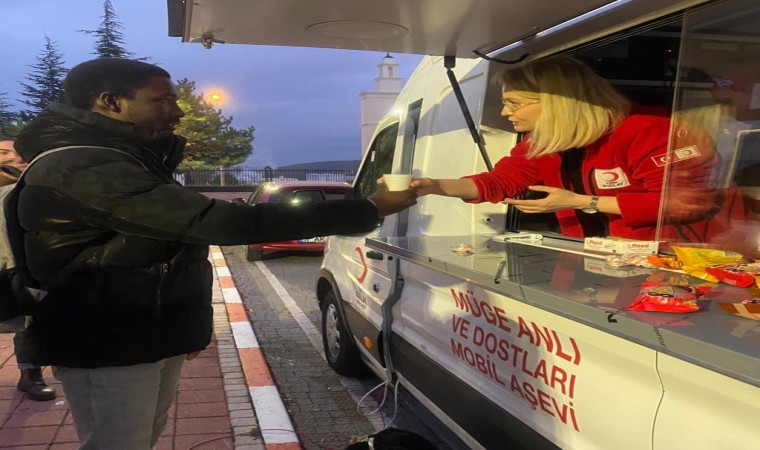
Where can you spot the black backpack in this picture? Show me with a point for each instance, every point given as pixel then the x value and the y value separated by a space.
pixel 18 291
pixel 15 299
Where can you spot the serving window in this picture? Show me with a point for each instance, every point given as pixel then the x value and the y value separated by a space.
pixel 712 179
pixel 702 68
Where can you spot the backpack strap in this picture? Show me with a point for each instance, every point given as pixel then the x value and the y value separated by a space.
pixel 73 147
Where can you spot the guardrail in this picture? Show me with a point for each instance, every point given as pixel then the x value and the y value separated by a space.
pixel 252 177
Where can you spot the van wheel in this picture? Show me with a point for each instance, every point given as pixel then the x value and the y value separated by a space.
pixel 341 351
pixel 254 255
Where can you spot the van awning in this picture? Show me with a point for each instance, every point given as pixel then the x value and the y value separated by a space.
pixel 428 27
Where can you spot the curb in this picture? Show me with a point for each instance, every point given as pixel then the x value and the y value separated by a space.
pixel 277 430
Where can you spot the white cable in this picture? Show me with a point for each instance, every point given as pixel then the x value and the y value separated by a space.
pixel 361 400
pixel 395 405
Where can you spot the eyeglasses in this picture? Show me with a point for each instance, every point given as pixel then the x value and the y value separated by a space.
pixel 516 106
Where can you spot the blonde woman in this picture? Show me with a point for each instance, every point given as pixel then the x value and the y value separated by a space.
pixel 599 162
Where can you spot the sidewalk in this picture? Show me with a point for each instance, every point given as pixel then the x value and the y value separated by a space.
pixel 213 409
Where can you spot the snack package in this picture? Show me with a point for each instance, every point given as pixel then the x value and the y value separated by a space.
pixel 748 310
pixel 678 279
pixel 628 259
pixel 694 260
pixel 668 298
pixel 744 275
pixel 463 250
pixel 667 262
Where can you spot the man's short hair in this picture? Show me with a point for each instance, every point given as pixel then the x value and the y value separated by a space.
pixel 85 82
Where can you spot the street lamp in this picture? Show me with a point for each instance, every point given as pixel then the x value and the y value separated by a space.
pixel 216 96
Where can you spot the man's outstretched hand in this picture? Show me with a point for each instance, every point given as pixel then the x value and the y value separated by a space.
pixel 391 202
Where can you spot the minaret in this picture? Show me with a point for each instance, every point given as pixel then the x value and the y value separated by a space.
pixel 375 104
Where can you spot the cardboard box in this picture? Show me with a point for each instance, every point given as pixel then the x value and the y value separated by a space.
pixel 619 245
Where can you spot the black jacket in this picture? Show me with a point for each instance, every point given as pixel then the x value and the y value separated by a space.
pixel 144 292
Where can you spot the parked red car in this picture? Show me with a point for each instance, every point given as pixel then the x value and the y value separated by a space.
pixel 293 192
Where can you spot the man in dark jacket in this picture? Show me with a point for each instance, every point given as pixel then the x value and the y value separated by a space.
pixel 136 299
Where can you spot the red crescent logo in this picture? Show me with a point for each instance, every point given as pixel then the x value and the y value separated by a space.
pixel 612 176
pixel 361 277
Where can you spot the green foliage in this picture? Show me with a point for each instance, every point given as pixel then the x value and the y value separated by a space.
pixel 6 115
pixel 45 80
pixel 12 129
pixel 11 122
pixel 110 40
pixel 211 140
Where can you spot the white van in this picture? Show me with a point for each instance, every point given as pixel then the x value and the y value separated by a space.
pixel 515 345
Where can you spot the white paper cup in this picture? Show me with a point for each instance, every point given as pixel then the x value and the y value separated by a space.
pixel 396 182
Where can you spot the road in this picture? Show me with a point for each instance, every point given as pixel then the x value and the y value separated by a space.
pixel 328 411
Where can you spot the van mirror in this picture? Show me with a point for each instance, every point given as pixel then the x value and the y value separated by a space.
pixel 238 201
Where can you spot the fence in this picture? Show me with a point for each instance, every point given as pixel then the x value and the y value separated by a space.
pixel 252 177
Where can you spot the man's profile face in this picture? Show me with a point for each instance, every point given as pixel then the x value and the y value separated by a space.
pixel 153 106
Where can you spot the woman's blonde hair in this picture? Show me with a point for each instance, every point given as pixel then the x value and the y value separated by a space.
pixel 577 105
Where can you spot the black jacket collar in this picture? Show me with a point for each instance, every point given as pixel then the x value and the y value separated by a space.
pixel 62 125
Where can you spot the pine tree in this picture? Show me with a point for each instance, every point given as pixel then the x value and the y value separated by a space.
pixel 110 41
pixel 6 115
pixel 211 141
pixel 8 118
pixel 45 80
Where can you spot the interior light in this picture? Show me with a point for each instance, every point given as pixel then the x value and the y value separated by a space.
pixel 563 25
pixel 582 17
pixel 506 48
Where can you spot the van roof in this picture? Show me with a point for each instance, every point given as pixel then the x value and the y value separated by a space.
pixel 459 28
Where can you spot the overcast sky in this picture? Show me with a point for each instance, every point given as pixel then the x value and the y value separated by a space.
pixel 303 102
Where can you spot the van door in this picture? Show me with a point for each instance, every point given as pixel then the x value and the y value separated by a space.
pixel 364 282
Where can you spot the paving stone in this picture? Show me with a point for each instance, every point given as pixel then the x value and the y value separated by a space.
pixel 204 425
pixel 241 413
pixel 206 441
pixel 216 409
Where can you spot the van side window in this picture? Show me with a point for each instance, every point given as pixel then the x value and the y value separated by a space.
pixel 378 162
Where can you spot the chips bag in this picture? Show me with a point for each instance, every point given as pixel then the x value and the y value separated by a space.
pixel 694 260
pixel 667 262
pixel 668 298
pixel 744 275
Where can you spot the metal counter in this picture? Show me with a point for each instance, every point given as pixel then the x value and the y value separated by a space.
pixel 558 277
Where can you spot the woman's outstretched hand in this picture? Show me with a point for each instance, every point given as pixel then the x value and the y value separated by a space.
pixel 424 186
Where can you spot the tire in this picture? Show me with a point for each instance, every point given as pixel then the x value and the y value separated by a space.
pixel 254 255
pixel 340 350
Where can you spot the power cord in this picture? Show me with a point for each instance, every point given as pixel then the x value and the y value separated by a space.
pixel 256 432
